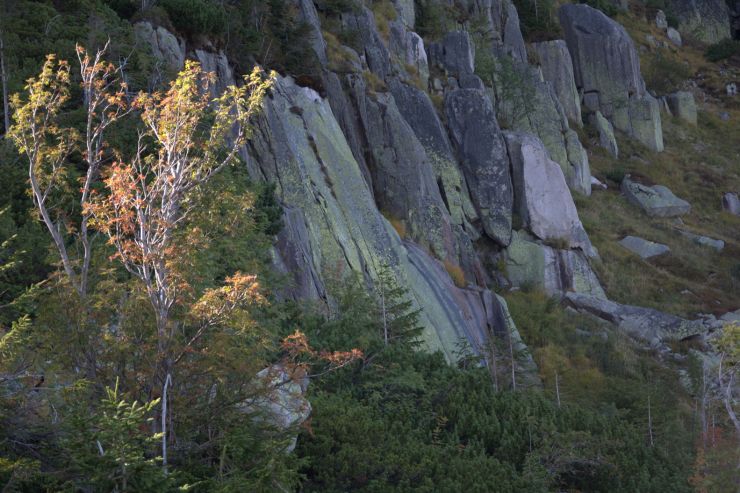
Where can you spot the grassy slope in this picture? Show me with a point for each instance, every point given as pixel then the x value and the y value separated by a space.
pixel 698 165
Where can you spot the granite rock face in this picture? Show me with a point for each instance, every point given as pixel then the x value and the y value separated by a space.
pixel 165 47
pixel 557 68
pixel 607 72
pixel 455 54
pixel 657 201
pixel 542 198
pixel 483 158
pixel 706 20
pixel 333 226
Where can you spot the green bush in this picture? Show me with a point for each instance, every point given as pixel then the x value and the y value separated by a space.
pixel 722 50
pixel 194 17
pixel 537 19
pixel 606 6
pixel 664 73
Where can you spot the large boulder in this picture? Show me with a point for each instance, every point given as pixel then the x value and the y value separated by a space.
pixel 557 68
pixel 656 201
pixel 542 198
pixel 483 157
pixel 607 72
pixel 643 248
pixel 683 106
pixel 529 263
pixel 704 20
pixel 280 400
pixel 646 324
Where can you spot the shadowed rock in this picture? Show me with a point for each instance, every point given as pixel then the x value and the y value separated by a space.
pixel 483 158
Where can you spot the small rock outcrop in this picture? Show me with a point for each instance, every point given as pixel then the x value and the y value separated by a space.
pixel 674 36
pixel 683 106
pixel 731 203
pixel 556 271
pixel 607 72
pixel 645 249
pixel 542 198
pixel 647 324
pixel 557 68
pixel 705 241
pixel 166 48
pixel 656 201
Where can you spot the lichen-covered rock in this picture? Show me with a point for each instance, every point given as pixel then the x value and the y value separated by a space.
pixel 418 110
pixel 705 241
pixel 557 68
pixel 404 182
pixel 646 324
pixel 683 106
pixel 643 248
pixel 705 20
pixel 542 198
pixel 527 103
pixel 374 50
pixel 555 271
pixel 607 72
pixel 644 122
pixel 482 153
pixel 657 201
pixel 299 146
pixel 280 400
pixel 165 47
pixel 606 134
pixel 455 53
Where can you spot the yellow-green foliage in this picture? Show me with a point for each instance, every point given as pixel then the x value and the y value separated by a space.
pixel 340 58
pixel 456 273
pixel 384 13
pixel 374 83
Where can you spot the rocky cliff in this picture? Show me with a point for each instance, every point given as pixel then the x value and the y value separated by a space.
pixel 408 154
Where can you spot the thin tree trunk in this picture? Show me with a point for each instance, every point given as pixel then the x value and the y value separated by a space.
pixel 167 383
pixel 650 423
pixel 513 361
pixel 557 388
pixel 4 80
